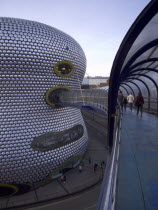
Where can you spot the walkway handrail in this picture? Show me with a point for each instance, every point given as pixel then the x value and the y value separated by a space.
pixel 81 99
pixel 108 190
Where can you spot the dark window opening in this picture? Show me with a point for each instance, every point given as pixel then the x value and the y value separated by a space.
pixel 64 69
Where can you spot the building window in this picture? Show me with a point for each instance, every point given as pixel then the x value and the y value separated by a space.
pixel 64 69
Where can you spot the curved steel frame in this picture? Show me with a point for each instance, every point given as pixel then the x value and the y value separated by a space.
pixel 146 69
pixel 134 84
pixel 109 186
pixel 144 75
pixel 143 19
pixel 138 86
pixel 143 62
pixel 129 87
pixel 137 54
pixel 125 89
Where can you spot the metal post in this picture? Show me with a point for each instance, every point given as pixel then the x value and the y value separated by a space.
pixel 157 106
pixel 148 104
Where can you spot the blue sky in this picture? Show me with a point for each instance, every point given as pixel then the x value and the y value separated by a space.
pixel 97 25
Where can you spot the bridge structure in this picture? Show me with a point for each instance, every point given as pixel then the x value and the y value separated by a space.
pixel 95 99
pixel 131 175
pixel 130 180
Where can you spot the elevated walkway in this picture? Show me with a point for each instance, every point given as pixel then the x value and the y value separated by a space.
pixel 95 99
pixel 137 184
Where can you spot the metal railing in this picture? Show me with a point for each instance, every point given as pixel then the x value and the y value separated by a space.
pixel 95 98
pixel 151 105
pixel 108 190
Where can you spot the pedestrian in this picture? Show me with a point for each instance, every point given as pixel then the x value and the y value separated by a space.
pixel 139 103
pixel 64 179
pixel 120 100
pixel 80 168
pixel 95 166
pixel 89 160
pixel 130 99
pixel 101 165
pixel 125 103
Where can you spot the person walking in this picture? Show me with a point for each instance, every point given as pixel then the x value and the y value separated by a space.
pixel 125 103
pixel 120 100
pixel 101 165
pixel 139 103
pixel 64 180
pixel 89 160
pixel 95 167
pixel 80 168
pixel 130 99
pixel 103 162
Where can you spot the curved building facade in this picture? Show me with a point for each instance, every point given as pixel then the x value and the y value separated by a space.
pixel 30 54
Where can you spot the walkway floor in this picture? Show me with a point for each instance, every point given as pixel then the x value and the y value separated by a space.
pixel 138 170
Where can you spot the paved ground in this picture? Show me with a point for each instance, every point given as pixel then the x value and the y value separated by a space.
pixel 76 183
pixel 138 166
pixel 83 201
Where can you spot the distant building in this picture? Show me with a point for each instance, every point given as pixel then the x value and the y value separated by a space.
pixel 93 82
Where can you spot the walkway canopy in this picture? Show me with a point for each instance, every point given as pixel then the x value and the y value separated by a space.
pixel 135 68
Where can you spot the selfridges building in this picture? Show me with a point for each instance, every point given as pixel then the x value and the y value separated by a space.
pixel 38 139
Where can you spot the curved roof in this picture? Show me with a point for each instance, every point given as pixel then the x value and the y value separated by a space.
pixel 135 68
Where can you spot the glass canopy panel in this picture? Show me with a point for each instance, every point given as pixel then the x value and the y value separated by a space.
pixel 125 90
pixel 154 65
pixel 138 51
pixel 148 34
pixel 146 55
pixel 133 86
